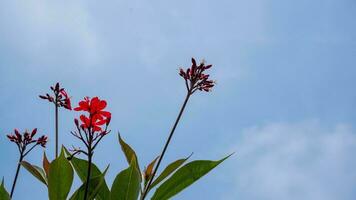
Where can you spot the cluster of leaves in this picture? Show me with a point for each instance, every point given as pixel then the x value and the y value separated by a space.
pixel 58 176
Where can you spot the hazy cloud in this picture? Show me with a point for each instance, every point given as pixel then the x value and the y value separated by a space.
pixel 296 161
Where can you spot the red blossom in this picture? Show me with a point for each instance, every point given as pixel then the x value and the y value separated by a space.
pixel 97 116
pixel 92 126
pixel 94 106
pixel 195 78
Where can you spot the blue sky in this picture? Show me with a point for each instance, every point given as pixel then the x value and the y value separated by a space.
pixel 285 101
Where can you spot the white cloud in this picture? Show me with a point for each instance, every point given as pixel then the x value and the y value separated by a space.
pixel 295 161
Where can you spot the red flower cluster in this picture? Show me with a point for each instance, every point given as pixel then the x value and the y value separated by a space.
pixel 91 129
pixel 195 79
pixel 97 116
pixel 27 138
pixel 60 97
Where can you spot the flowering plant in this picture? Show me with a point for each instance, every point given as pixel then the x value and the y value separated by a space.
pixel 91 127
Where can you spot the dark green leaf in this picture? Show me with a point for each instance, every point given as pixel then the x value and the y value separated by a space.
pixel 4 195
pixel 35 171
pixel 60 178
pixel 126 185
pixel 184 177
pixel 81 168
pixel 168 170
pixel 95 185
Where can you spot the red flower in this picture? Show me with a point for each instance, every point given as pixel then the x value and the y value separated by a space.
pixel 97 116
pixel 93 126
pixel 95 106
pixel 195 78
pixel 94 123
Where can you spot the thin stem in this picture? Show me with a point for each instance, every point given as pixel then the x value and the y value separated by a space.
pixel 28 151
pixel 90 155
pixel 88 175
pixel 16 175
pixel 56 119
pixel 166 145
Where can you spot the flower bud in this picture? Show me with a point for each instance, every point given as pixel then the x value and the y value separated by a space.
pixel 108 121
pixel 76 122
pixel 34 131
pixel 42 97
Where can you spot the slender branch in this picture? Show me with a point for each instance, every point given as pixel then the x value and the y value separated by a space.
pixel 56 124
pixel 16 176
pixel 90 155
pixel 28 151
pixel 75 153
pixel 166 145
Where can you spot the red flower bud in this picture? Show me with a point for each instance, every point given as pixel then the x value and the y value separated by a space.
pixel 34 131
pixel 57 87
pixel 42 97
pixel 194 63
pixel 76 122
pixel 42 141
pixel 108 121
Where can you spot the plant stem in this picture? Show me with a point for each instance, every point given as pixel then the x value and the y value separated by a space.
pixel 56 119
pixel 90 155
pixel 166 145
pixel 16 175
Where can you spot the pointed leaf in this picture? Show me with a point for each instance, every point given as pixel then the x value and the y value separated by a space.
pixel 60 178
pixel 184 177
pixel 35 171
pixel 148 171
pixel 45 164
pixel 95 185
pixel 129 152
pixel 81 168
pixel 151 165
pixel 4 195
pixel 126 185
pixel 168 171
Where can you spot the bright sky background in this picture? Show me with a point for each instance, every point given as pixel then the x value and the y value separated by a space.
pixel 285 101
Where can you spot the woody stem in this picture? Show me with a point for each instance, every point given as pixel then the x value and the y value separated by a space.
pixel 16 175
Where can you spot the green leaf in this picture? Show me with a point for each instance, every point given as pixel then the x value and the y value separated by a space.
pixel 81 168
pixel 129 152
pixel 95 185
pixel 60 178
pixel 126 185
pixel 168 170
pixel 184 177
pixel 4 195
pixel 35 171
